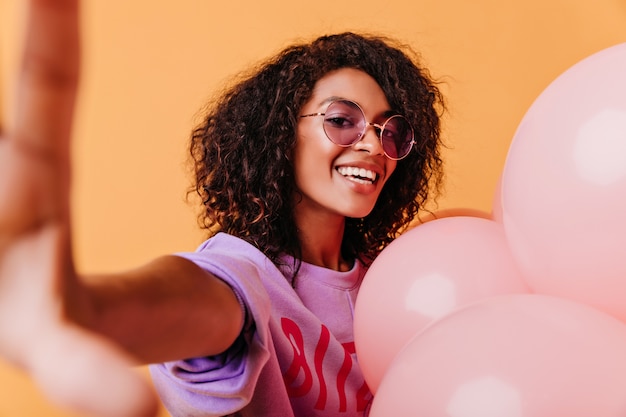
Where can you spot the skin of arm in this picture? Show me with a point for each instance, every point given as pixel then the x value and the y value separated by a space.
pixel 167 309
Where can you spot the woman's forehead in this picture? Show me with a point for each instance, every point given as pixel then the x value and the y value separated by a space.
pixel 349 84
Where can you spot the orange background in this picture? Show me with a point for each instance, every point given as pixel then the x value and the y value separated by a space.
pixel 150 65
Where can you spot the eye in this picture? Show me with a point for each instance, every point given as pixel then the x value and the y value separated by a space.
pixel 390 132
pixel 339 121
pixel 343 114
pixel 396 128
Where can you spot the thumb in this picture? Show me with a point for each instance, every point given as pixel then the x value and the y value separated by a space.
pixel 85 373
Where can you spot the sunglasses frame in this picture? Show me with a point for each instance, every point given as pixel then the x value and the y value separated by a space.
pixel 379 133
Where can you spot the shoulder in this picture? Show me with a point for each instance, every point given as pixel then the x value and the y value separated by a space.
pixel 251 274
pixel 224 250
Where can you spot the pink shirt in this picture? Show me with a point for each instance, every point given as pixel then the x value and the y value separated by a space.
pixel 295 355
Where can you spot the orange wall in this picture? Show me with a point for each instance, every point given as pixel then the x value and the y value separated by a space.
pixel 150 65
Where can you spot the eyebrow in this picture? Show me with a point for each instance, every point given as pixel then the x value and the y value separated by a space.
pixel 333 98
pixel 328 100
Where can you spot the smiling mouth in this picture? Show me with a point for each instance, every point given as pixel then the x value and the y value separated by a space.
pixel 360 175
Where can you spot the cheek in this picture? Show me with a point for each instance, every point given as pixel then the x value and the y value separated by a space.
pixel 305 159
pixel 300 151
pixel 314 148
pixel 390 168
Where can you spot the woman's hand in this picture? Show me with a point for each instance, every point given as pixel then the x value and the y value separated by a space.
pixel 75 368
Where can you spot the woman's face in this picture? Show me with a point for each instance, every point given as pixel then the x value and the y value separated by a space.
pixel 335 180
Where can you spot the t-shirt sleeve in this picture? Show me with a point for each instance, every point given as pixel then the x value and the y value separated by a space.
pixel 222 384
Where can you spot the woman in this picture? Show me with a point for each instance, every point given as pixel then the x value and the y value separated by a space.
pixel 307 169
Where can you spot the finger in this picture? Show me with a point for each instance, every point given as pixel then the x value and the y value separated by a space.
pixel 3 64
pixel 48 80
pixel 86 374
pixel 37 138
pixel 1 85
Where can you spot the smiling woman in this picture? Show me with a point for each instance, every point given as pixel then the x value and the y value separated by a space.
pixel 228 326
pixel 321 165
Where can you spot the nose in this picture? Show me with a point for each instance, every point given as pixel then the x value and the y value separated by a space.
pixel 370 141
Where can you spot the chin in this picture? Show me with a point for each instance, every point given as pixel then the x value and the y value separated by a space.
pixel 359 214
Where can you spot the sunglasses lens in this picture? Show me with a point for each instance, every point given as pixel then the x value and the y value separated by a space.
pixel 344 122
pixel 397 137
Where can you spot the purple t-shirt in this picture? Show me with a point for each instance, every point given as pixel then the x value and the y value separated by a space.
pixel 295 355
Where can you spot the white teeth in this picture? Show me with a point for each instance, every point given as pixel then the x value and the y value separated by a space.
pixel 358 173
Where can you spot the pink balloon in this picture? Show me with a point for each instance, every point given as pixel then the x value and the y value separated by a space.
pixel 563 190
pixel 511 356
pixel 424 275
pixel 455 212
pixel 496 209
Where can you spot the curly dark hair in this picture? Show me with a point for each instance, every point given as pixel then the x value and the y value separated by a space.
pixel 242 150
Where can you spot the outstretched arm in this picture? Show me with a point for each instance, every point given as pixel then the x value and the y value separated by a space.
pixel 167 309
pixel 76 338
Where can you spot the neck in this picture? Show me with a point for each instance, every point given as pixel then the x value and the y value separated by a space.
pixel 320 240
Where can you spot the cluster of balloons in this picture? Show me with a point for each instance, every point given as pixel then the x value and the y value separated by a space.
pixel 520 312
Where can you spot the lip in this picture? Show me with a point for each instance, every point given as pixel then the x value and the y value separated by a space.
pixel 368 165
